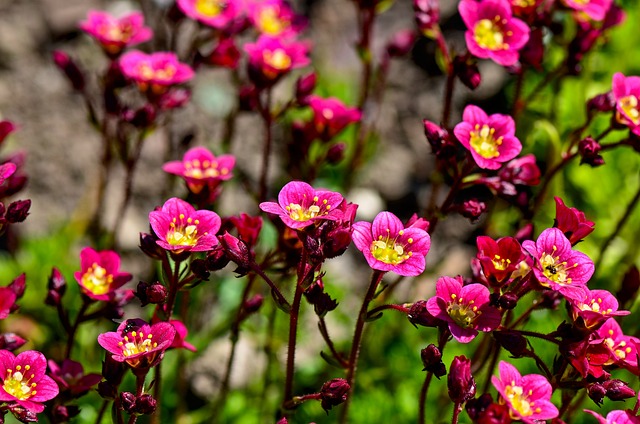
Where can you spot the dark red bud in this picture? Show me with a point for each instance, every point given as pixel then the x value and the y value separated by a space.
pixel 476 407
pixel 107 390
pixel 419 315
pixel 64 413
pixel 236 250
pixel 253 305
pixel 18 285
pixel 508 301
pixel 150 248
pixel 23 415
pixel 336 153
pixel 401 43
pixel 618 390
pixel 305 86
pixel 199 269
pixel 460 382
pixel 11 341
pixel 321 301
pixel 597 393
pixel 151 293
pixel 128 402
pixel 512 341
pixel 145 405
pixel 589 150
pixel 70 69
pixel 432 360
pixel 334 392
pixel 248 99
pixel 18 211
pixel 466 69
pixel 604 102
pixel 217 259
pixel 57 286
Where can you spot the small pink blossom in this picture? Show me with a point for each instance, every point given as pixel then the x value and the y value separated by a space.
pixel 217 14
pixel 490 138
pixel 24 380
pixel 271 58
pixel 70 375
pixel 622 348
pixel 388 245
pixel 559 267
pixel 572 222
pixel 100 276
pixel 465 308
pixel 499 259
pixel 594 9
pixel 161 69
pixel 180 342
pixel 114 34
pixel 492 31
pixel 595 308
pixel 626 92
pixel 274 18
pixel 137 343
pixel 528 397
pixel 200 168
pixel 330 116
pixel 616 417
pixel 300 205
pixel 180 227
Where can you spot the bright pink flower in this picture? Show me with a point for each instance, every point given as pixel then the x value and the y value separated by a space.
pixel 137 343
pixel 528 397
pixel 388 246
pixel 499 258
pixel 160 69
pixel 180 342
pixel 572 222
pixel 492 31
pixel 622 348
pixel 595 308
pixel 180 227
pixel 594 9
pixel 274 18
pixel 24 380
pixel 114 34
pixel 218 14
pixel 559 267
pixel 7 300
pixel 616 417
pixel 490 138
pixel 626 91
pixel 270 58
pixel 99 276
pixel 521 171
pixel 465 308
pixel 330 116
pixel 300 205
pixel 70 375
pixel 200 168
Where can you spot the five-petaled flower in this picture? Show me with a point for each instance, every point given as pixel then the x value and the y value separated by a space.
pixel 622 348
pixel 70 376
pixel 200 168
pixel 274 18
pixel 160 70
pixel 137 343
pixel 528 397
pixel 490 138
pixel 388 246
pixel 492 31
pixel 626 92
pixel 499 258
pixel 300 205
pixel 271 58
pixel 24 380
pixel 559 267
pixel 99 276
pixel 180 227
pixel 465 308
pixel 217 14
pixel 595 308
pixel 114 34
pixel 330 116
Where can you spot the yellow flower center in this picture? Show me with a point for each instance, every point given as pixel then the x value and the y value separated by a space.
pixel 137 343
pixel 298 213
pixel 463 314
pixel 500 263
pixel 629 105
pixel 202 170
pixel 523 3
pixel 277 59
pixel 554 269
pixel 484 143
pixel 210 8
pixel 18 384
pixel 519 401
pixel 488 34
pixel 269 21
pixel 387 250
pixel 97 280
pixel 183 233
pixel 594 305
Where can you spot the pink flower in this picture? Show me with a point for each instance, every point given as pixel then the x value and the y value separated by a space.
pixel 24 380
pixel 626 92
pixel 528 397
pixel 99 276
pixel 6 128
pixel 559 267
pixel 622 348
pixel 572 222
pixel 70 375
pixel 521 171
pixel 465 308
pixel 595 308
pixel 274 18
pixel 300 205
pixel 218 14
pixel 180 227
pixel 388 246
pixel 490 139
pixel 499 258
pixel 616 417
pixel 200 168
pixel 270 58
pixel 114 34
pixel 330 116
pixel 180 342
pixel 137 343
pixel 492 31
pixel 160 69
pixel 7 300
pixel 594 9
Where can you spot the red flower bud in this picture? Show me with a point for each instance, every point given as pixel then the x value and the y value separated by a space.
pixel 70 69
pixel 432 360
pixel 11 341
pixel 460 383
pixel 305 86
pixel 334 392
pixel 145 405
pixel 57 286
pixel 589 150
pixel 419 315
pixel 618 390
pixel 18 211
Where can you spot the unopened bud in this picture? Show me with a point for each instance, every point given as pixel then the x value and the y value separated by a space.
pixel 336 153
pixel 466 69
pixel 128 402
pixel 57 286
pixel 419 315
pixel 145 405
pixel 11 341
pixel 401 43
pixel 150 248
pixel 70 69
pixel 618 390
pixel 64 413
pixel 217 259
pixel 596 392
pixel 334 392
pixel 508 301
pixel 18 211
pixel 432 360
pixel 18 285
pixel 321 301
pixel 151 293
pixel 460 383
pixel 305 86
pixel 427 14
pixel 236 250
pixel 589 150
pixel 107 390
pixel 512 341
pixel 253 305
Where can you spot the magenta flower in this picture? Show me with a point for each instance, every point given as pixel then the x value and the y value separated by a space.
pixel 137 343
pixel 559 267
pixel 572 222
pixel 594 9
pixel 160 69
pixel 7 300
pixel 330 116
pixel 626 92
pixel 180 227
pixel 595 308
pixel 180 340
pixel 274 18
pixel 388 246
pixel 70 375
pixel 499 258
pixel 490 139
pixel 465 308
pixel 217 14
pixel 300 205
pixel 270 58
pixel 200 168
pixel 622 348
pixel 528 397
pixel 521 171
pixel 24 380
pixel 616 417
pixel 99 276
pixel 492 31
pixel 114 34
